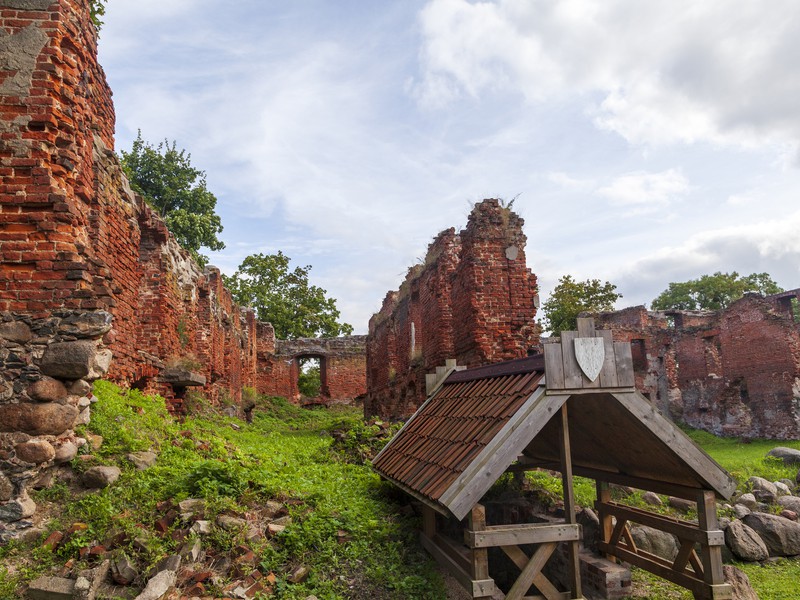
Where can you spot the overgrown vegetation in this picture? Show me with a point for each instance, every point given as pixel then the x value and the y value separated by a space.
pixel 345 526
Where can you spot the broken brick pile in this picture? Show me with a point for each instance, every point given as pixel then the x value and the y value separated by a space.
pixel 473 299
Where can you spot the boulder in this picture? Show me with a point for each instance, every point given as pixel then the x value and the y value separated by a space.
pixel 783 489
pixel 748 500
pixel 652 499
pixel 781 536
pixel 745 543
pixel 229 523
pixel 100 477
pixel 681 504
pixel 654 541
pixel 37 419
pixel 81 387
pixel 86 325
pixel 16 510
pixel 35 451
pixel 590 523
pixel 761 486
pixel 790 502
pixel 100 364
pixel 741 511
pixel 123 571
pixel 65 452
pixel 68 360
pixel 47 389
pixel 739 582
pixel 789 456
pixel 16 331
pixel 51 588
pixel 158 586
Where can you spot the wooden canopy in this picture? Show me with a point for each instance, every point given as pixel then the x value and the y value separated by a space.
pixel 573 409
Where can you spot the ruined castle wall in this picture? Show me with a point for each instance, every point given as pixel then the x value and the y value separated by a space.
pixel 473 299
pixel 733 372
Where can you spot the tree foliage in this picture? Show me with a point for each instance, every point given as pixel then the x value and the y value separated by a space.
pixel 165 177
pixel 285 298
pixel 97 10
pixel 713 292
pixel 570 298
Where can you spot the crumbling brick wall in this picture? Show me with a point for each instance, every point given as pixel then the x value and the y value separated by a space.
pixel 473 299
pixel 733 372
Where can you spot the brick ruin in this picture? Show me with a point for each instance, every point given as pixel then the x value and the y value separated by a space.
pixel 89 271
pixel 733 372
pixel 473 300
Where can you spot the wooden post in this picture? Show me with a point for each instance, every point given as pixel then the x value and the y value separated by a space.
pixel 711 556
pixel 428 521
pixel 606 525
pixel 478 556
pixel 573 561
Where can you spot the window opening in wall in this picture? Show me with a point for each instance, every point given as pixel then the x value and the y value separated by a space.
pixel 309 378
pixel 796 309
pixel 639 355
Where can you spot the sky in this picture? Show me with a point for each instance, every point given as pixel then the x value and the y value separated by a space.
pixel 643 142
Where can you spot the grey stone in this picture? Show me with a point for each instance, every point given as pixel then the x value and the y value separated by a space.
pixel 83 418
pixel 47 389
pixel 681 504
pixel 783 489
pixel 142 460
pixel 272 508
pixel 123 571
pixel 170 563
pixel 741 511
pixel 6 390
pixel 231 523
pixel 789 456
pixel 192 505
pixel 100 364
pixel 100 477
pixel 26 4
pixel 745 543
pixel 654 541
pixel 748 500
pixel 65 452
pixel 759 484
pixel 37 419
pixel 790 502
pixel 158 586
pixel 69 360
pixel 781 536
pixel 192 551
pixel 201 527
pixel 89 581
pixel 20 508
pixel 652 499
pixel 16 331
pixel 739 582
pixel 86 325
pixel 80 387
pixel 51 588
pixel 6 488
pixel 35 451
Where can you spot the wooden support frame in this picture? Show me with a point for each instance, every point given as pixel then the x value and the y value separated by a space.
pixel 702 574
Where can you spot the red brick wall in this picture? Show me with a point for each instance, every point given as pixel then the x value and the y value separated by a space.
pixel 473 299
pixel 734 372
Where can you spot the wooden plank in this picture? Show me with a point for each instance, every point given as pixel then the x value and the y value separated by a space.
pixel 573 560
pixel 711 555
pixel 479 557
pixel 500 452
pixel 534 566
pixel 624 359
pixel 708 471
pixel 531 533
pixel 608 376
pixel 542 583
pixel 573 376
pixel 458 552
pixel 585 327
pixel 682 529
pixel 486 587
pixel 553 366
pixel 428 521
pixel 606 522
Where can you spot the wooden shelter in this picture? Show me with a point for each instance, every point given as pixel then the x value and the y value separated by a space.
pixel 573 409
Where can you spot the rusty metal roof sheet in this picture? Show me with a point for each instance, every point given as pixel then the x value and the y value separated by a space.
pixel 452 428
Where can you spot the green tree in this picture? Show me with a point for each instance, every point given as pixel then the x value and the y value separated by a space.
pixel 166 179
pixel 570 298
pixel 309 382
pixel 285 298
pixel 713 292
pixel 97 10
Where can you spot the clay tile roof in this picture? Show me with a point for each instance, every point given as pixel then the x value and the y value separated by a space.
pixel 452 428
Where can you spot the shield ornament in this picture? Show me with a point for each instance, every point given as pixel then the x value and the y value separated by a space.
pixel 590 354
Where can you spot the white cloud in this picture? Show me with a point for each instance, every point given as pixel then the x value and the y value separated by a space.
pixel 646 191
pixel 653 72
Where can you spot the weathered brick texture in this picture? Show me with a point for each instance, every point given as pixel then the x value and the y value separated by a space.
pixel 473 299
pixel 734 372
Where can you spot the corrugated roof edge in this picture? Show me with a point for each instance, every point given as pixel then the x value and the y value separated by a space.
pixel 509 367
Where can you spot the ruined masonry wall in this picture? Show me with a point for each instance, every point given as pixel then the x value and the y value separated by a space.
pixel 473 299
pixel 735 372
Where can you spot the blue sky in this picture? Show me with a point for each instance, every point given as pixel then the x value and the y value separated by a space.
pixel 645 142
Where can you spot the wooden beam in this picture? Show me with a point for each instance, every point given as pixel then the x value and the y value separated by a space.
pixel 478 589
pixel 534 566
pixel 606 523
pixel 682 529
pixel 428 521
pixel 711 555
pixel 479 557
pixel 573 560
pixel 530 533
pixel 542 583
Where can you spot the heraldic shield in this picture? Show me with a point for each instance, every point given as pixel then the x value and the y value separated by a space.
pixel 590 354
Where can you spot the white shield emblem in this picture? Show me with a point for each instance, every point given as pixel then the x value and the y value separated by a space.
pixel 590 354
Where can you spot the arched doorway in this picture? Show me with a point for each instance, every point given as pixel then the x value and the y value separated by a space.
pixel 311 377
